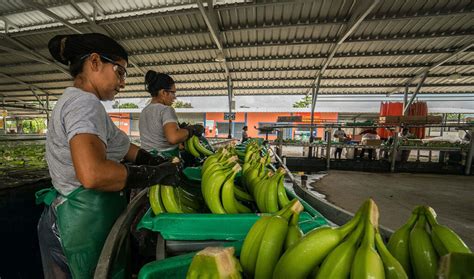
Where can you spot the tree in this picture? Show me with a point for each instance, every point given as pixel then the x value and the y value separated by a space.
pixel 304 103
pixel 127 105
pixel 181 104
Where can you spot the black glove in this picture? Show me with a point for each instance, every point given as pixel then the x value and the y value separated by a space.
pixel 145 158
pixel 195 130
pixel 145 176
pixel 182 125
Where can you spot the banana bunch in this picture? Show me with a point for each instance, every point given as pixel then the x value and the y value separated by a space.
pixel 270 193
pixel 217 185
pixel 354 250
pixel 266 240
pixel 194 147
pixel 419 244
pixel 173 200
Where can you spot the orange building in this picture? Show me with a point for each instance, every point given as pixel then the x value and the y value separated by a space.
pixel 217 126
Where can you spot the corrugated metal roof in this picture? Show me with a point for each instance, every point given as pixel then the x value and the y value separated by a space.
pixel 274 47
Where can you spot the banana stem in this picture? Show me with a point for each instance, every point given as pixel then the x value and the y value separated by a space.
pixel 431 216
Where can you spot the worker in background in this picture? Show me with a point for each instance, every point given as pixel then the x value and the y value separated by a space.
pixel 367 135
pixel 159 128
pixel 340 137
pixel 84 150
pixel 245 135
pixel 404 137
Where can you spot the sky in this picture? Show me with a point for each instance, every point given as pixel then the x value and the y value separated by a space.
pixel 327 103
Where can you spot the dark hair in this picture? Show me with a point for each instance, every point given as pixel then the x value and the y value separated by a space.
pixel 245 127
pixel 154 82
pixel 72 50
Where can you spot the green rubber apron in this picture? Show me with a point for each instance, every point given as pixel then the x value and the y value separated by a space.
pixel 84 219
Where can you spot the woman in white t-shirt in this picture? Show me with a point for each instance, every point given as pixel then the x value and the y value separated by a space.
pixel 159 128
pixel 84 152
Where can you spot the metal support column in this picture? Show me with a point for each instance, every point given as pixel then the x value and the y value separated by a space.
pixel 413 96
pixel 470 153
pixel 405 98
pixel 229 88
pixel 47 107
pixel 314 95
pixel 328 149
pixel 4 116
pixel 394 150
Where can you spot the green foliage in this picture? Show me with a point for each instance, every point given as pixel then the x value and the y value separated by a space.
pixel 128 105
pixel 181 104
pixel 13 156
pixel 33 126
pixel 304 103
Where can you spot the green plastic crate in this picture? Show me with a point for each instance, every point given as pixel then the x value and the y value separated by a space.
pixel 218 226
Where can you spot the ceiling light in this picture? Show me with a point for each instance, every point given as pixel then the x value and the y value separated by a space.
pixel 455 77
pixel 220 57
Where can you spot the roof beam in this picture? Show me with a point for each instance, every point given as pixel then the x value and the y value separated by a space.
pixel 210 18
pixel 150 13
pixel 307 77
pixel 52 15
pixel 44 60
pixel 25 55
pixel 424 72
pixel 292 86
pixel 32 87
pixel 301 91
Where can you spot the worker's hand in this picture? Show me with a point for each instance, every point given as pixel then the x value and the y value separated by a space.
pixel 195 130
pixel 145 158
pixel 145 176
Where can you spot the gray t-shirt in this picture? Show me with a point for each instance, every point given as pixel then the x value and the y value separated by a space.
pixel 152 119
pixel 79 112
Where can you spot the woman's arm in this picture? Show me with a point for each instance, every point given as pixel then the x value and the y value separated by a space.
pixel 92 168
pixel 174 134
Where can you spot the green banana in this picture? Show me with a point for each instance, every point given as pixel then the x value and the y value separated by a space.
pixel 294 232
pixel 282 196
pixel 444 239
pixel 155 200
pixel 339 261
pixel 187 199
pixel 213 159
pixel 212 196
pixel 298 261
pixel 367 262
pixel 191 149
pixel 398 243
pixel 423 256
pixel 271 247
pixel 200 148
pixel 271 197
pixel 168 197
pixel 260 193
pixel 393 268
pixel 242 208
pixel 228 197
pixel 242 195
pixel 251 245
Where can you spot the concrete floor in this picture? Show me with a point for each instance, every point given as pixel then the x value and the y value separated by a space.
pixel 396 195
